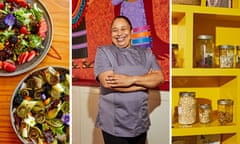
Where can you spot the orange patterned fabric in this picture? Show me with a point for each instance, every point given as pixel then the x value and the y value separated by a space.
pixel 78 11
pixel 98 20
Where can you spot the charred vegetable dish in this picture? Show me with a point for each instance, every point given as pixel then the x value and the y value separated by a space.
pixel 23 30
pixel 40 110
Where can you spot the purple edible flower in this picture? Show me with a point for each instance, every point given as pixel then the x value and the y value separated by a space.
pixel 9 20
pixel 43 96
pixel 66 119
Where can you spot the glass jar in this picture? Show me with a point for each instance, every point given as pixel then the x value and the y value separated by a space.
pixel 204 51
pixel 204 114
pixel 238 56
pixel 226 56
pixel 186 108
pixel 175 58
pixel 225 111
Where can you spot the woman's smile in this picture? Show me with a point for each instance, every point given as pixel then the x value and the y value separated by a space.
pixel 121 33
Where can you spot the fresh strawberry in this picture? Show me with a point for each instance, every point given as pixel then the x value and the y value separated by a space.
pixel 2 5
pixel 23 30
pixel 22 3
pixel 42 28
pixel 20 57
pixel 23 57
pixel 31 55
pixel 9 67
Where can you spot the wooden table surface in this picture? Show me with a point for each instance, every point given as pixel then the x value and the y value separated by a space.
pixel 59 11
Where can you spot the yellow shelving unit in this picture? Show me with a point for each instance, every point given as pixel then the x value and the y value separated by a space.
pixel 210 84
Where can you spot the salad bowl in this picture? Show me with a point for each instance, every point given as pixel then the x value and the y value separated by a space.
pixel 40 107
pixel 26 33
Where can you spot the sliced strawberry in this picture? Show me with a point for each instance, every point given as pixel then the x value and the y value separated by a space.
pixel 9 67
pixel 23 57
pixel 31 55
pixel 42 28
pixel 20 57
pixel 22 3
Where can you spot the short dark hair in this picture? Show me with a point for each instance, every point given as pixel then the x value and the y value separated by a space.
pixel 122 17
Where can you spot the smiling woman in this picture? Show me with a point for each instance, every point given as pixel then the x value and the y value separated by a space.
pixel 125 73
pixel 121 32
pixel 134 11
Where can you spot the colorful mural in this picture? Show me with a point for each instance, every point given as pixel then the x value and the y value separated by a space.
pixel 96 17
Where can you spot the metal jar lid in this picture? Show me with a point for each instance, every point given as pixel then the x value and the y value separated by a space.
pixel 225 102
pixel 205 106
pixel 226 46
pixel 192 94
pixel 204 37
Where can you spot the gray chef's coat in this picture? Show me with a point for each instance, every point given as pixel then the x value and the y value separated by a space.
pixel 123 114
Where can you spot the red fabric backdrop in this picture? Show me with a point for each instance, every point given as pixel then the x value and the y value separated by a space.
pixel 98 19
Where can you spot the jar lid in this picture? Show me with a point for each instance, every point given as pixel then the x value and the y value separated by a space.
pixel 226 46
pixel 204 37
pixel 205 106
pixel 225 101
pixel 187 94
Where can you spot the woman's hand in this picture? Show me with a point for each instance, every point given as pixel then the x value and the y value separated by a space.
pixel 119 80
pixel 103 78
pixel 125 83
pixel 150 80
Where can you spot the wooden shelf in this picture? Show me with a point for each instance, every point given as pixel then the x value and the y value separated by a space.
pixel 200 81
pixel 200 129
pixel 177 16
pixel 231 12
pixel 205 72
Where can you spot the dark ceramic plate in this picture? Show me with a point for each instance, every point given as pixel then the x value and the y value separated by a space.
pixel 40 106
pixel 21 68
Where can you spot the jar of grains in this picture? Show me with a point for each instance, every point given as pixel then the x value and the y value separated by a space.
pixel 226 56
pixel 204 113
pixel 225 111
pixel 187 108
pixel 204 51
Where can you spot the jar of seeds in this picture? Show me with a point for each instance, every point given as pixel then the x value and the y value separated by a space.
pixel 226 56
pixel 225 111
pixel 186 108
pixel 204 113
